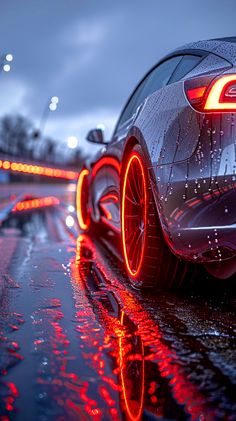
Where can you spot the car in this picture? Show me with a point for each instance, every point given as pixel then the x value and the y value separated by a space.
pixel 165 183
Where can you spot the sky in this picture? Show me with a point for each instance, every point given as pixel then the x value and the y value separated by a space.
pixel 92 53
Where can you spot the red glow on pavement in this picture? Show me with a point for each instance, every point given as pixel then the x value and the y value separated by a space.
pixel 38 170
pixel 9 400
pixel 127 345
pixel 70 392
pixel 89 332
pixel 134 409
pixel 35 203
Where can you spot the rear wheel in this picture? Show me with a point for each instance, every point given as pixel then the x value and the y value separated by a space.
pixel 82 200
pixel 148 260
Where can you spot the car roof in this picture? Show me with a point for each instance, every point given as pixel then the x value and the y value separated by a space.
pixel 226 39
pixel 223 47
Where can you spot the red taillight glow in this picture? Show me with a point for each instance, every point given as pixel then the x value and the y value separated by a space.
pixel 210 94
pixel 196 93
pixel 218 99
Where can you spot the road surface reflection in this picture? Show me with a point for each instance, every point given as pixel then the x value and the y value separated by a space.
pixel 77 342
pixel 151 376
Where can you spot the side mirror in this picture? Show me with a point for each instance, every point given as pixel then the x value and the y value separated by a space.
pixel 96 136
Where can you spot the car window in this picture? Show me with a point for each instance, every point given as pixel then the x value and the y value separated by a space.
pixel 130 107
pixel 155 80
pixel 187 63
pixel 159 77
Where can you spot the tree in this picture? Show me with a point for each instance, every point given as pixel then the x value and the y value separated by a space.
pixel 15 135
pixel 19 137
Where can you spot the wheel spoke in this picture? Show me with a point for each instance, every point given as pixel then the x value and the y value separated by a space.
pixel 136 250
pixel 137 256
pixel 138 182
pixel 132 216
pixel 132 236
pixel 135 203
pixel 135 178
pixel 130 190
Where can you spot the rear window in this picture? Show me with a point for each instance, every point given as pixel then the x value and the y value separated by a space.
pixel 187 63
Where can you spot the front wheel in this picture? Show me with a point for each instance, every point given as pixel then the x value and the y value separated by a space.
pixel 82 200
pixel 148 260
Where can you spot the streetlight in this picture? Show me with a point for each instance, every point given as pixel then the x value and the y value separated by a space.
pixel 72 142
pixel 4 62
pixel 51 105
pixel 6 68
pixel 9 57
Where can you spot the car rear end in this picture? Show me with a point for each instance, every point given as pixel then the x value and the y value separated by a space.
pixel 197 200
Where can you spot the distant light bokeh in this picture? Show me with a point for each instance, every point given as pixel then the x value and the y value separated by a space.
pixel 90 58
pixel 72 142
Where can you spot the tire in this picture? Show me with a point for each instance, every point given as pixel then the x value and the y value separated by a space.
pixel 148 261
pixel 82 201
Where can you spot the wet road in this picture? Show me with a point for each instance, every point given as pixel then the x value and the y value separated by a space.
pixel 77 343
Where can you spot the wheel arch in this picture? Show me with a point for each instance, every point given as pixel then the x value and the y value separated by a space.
pixel 136 138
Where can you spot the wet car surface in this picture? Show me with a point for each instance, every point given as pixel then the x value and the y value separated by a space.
pixel 77 342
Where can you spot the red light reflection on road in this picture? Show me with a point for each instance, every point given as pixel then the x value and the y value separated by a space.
pixel 127 346
pixel 97 341
pixel 68 392
pixel 10 322
pixel 35 203
pixel 134 408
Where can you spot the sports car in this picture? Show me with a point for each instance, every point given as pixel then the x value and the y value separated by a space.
pixel 164 185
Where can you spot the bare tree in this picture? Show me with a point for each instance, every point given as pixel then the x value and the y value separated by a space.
pixel 19 137
pixel 15 135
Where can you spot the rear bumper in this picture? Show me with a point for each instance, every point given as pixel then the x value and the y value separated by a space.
pixel 206 244
pixel 196 197
pixel 197 214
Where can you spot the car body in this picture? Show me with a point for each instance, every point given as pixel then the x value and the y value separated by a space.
pixel 187 136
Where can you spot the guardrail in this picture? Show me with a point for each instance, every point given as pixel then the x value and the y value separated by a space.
pixel 32 168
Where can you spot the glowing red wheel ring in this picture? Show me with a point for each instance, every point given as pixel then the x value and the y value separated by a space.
pixel 82 200
pixel 134 214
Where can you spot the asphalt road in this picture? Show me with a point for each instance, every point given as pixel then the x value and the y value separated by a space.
pixel 78 343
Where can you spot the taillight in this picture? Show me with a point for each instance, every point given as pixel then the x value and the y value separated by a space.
pixel 196 94
pixel 211 94
pixel 222 95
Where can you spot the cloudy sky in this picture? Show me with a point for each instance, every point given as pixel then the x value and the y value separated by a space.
pixel 91 53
